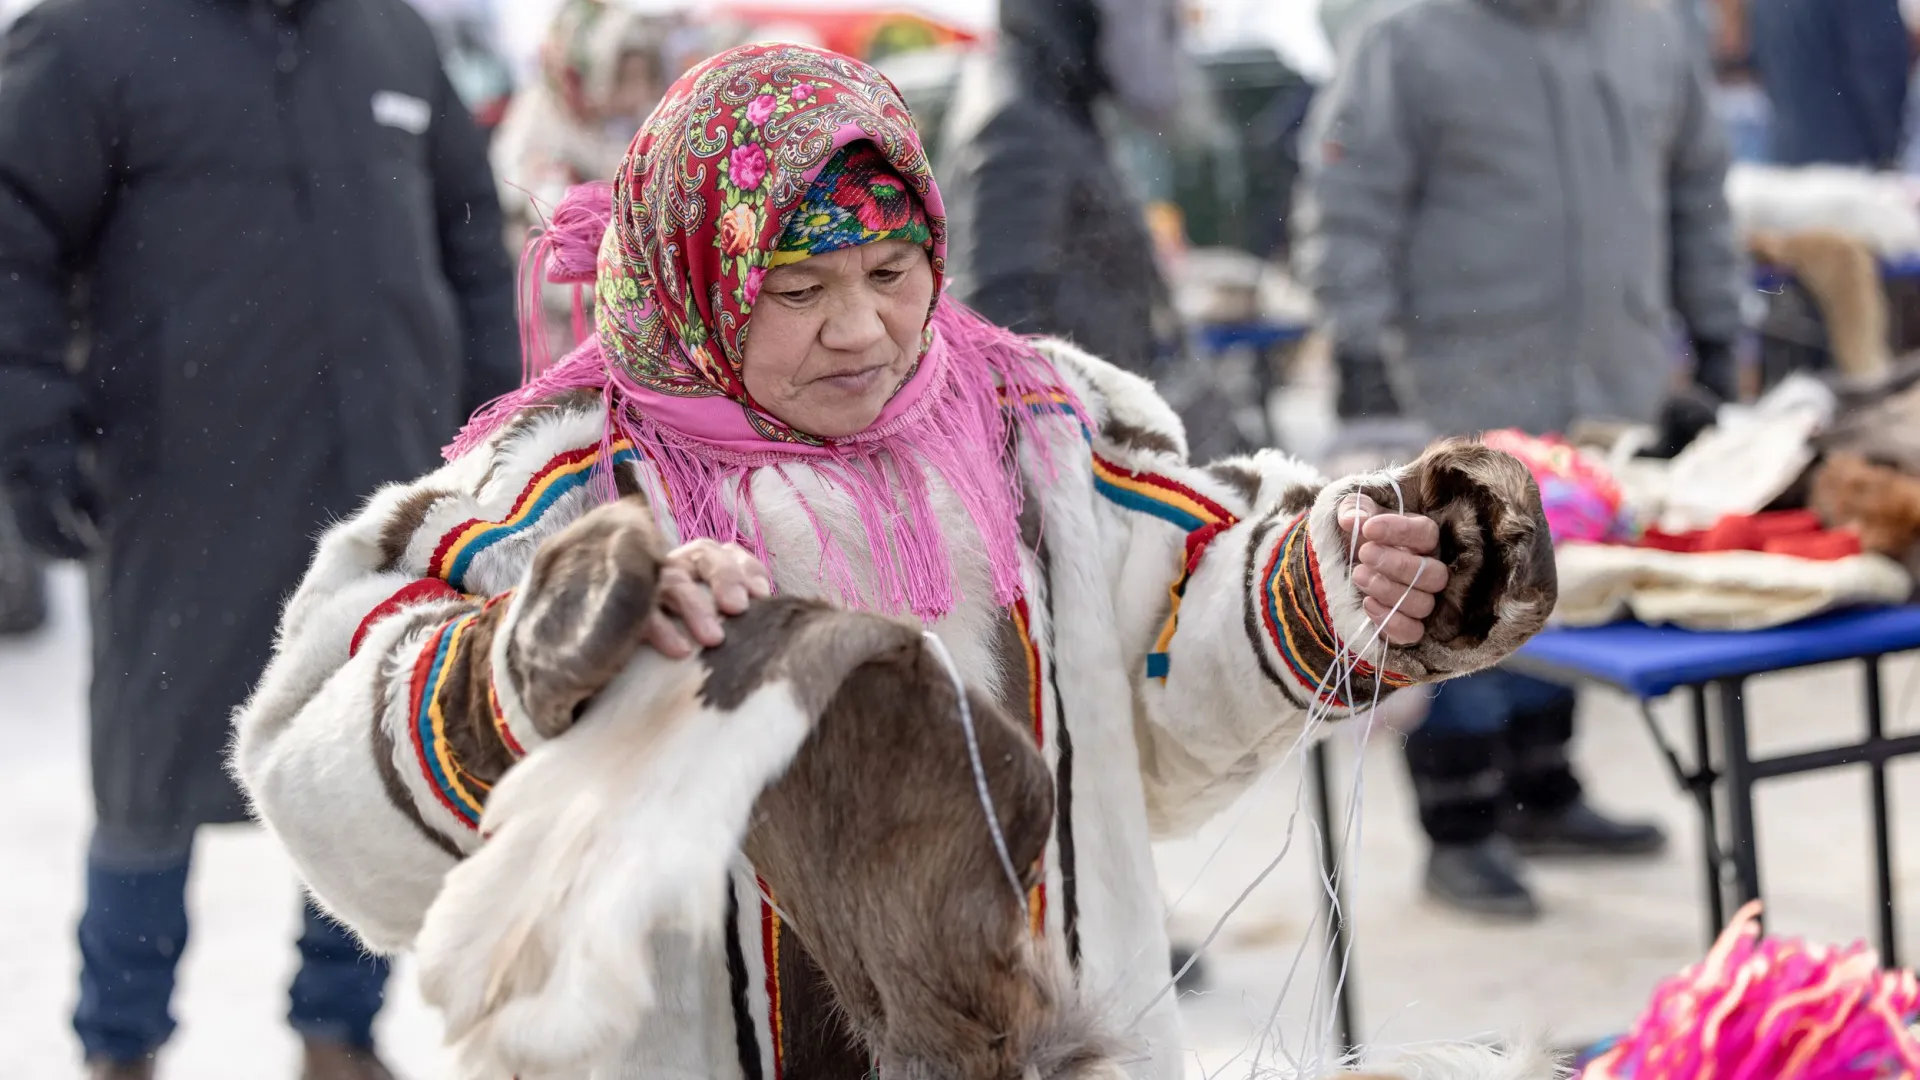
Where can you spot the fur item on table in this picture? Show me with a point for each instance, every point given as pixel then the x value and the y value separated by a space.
pixel 1881 504
pixel 1773 1009
pixel 1885 431
pixel 1875 208
pixel 1844 277
pixel 1722 590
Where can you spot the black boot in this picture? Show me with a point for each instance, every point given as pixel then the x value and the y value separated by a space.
pixel 1459 788
pixel 1194 977
pixel 1480 879
pixel 1546 812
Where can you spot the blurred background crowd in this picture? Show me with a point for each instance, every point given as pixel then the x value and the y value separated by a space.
pixel 257 258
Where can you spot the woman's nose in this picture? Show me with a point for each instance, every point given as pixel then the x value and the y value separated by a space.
pixel 853 326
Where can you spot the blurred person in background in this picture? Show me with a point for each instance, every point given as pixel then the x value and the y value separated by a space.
pixel 603 67
pixel 602 70
pixel 1046 235
pixel 1342 20
pixel 1835 73
pixel 1518 194
pixel 275 223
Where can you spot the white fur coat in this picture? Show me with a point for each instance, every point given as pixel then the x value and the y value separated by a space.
pixel 392 705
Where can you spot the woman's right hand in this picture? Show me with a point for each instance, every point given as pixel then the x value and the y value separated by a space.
pixel 605 586
pixel 700 582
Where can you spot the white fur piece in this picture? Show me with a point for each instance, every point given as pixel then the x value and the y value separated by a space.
pixel 1878 209
pixel 1467 1061
pixel 537 950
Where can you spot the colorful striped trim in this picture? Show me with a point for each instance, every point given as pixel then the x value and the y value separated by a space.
pixel 426 590
pixel 1036 681
pixel 564 474
pixel 1299 621
pixel 462 795
pixel 494 709
pixel 770 950
pixel 1149 493
pixel 1180 506
pixel 1052 399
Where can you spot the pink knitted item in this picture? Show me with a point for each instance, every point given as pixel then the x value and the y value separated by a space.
pixel 1773 1009
pixel 1581 499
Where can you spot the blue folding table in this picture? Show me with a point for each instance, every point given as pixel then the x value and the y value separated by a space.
pixel 1650 662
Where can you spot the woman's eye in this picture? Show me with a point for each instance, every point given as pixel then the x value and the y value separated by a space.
pixel 797 296
pixel 888 275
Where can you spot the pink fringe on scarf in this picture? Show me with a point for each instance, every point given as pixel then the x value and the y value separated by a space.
pixel 1773 1009
pixel 563 252
pixel 960 429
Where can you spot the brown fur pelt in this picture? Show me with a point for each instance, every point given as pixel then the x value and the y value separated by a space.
pixel 1844 278
pixel 1880 503
pixel 904 906
pixel 1886 430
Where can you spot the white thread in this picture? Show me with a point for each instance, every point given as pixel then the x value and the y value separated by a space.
pixel 979 770
pixel 1318 712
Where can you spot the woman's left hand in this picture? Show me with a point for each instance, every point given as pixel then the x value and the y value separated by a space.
pixel 1395 571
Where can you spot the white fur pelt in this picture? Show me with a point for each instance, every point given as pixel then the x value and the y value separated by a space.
pixel 1466 1061
pixel 537 950
pixel 1879 209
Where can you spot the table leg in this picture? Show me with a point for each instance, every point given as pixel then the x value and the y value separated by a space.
pixel 1882 821
pixel 1700 783
pixel 1742 840
pixel 1335 901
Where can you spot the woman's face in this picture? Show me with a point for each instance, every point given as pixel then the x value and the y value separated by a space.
pixel 636 88
pixel 832 338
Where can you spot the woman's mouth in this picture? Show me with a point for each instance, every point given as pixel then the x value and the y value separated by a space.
pixel 854 382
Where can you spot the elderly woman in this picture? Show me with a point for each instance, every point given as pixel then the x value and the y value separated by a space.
pixel 778 385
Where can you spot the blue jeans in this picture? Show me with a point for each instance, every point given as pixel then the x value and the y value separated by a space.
pixel 1487 702
pixel 1492 742
pixel 134 929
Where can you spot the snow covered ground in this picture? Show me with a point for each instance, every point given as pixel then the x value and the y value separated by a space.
pixel 1611 931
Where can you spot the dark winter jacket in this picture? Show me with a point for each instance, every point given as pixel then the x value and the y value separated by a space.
pixel 1044 235
pixel 1836 74
pixel 275 224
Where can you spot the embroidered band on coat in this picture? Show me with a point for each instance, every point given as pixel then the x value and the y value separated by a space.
pixel 1036 682
pixel 462 795
pixel 1299 622
pixel 1175 503
pixel 561 476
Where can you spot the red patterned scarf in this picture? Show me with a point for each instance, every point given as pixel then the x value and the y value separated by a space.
pixel 690 226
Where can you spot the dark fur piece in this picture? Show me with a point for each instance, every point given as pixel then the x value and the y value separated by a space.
pixel 1134 437
pixel 1495 543
pixel 587 599
pixel 877 849
pixel 399 529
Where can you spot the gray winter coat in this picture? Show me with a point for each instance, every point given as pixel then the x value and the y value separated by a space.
pixel 1525 190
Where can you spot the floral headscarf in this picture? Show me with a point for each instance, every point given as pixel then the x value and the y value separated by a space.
pixel 695 217
pixel 722 164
